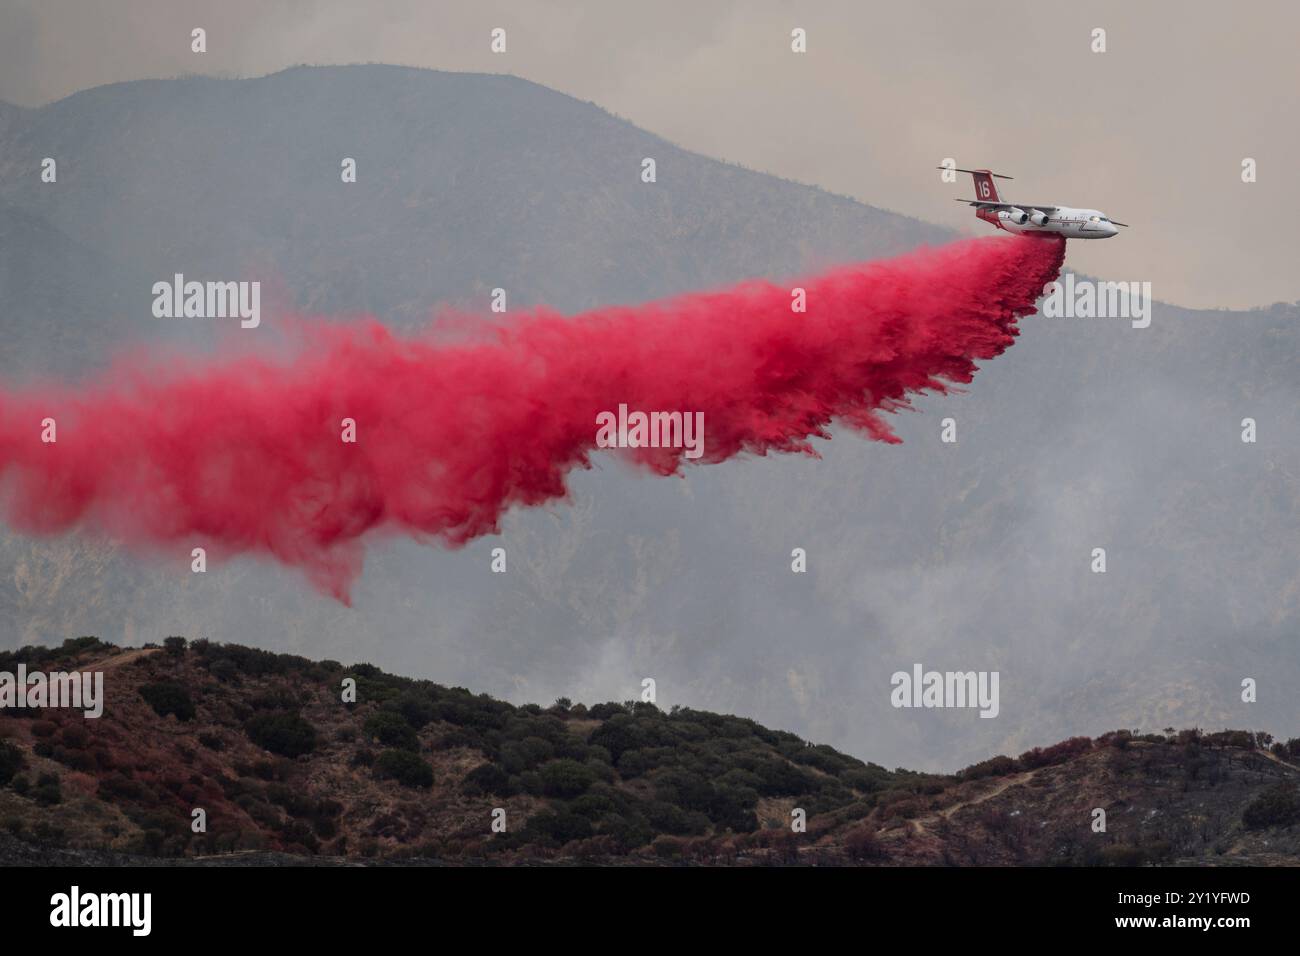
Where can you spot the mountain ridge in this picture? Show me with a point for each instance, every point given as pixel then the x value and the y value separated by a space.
pixel 286 771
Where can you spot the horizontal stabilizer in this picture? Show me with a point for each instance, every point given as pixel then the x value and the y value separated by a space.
pixel 988 172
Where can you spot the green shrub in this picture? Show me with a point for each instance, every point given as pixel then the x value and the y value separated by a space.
pixel 285 734
pixel 11 761
pixel 488 778
pixel 1055 754
pixel 48 790
pixel 1120 855
pixel 391 730
pixel 621 732
pixel 667 818
pixel 526 754
pixel 557 828
pixel 999 766
pixel 404 767
pixel 1278 806
pixel 416 709
pixel 566 778
pixel 168 697
pixel 593 806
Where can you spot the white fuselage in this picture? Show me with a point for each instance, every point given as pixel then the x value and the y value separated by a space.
pixel 1062 221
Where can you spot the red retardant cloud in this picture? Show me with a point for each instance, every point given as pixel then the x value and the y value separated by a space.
pixel 244 455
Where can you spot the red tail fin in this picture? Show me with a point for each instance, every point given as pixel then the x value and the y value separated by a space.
pixel 985 190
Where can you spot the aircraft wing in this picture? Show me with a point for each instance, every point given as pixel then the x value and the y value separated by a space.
pixel 1008 205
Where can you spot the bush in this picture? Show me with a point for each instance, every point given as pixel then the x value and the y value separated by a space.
pixel 1057 753
pixel 48 790
pixel 285 734
pixel 1231 738
pixel 999 766
pixel 666 818
pixel 526 754
pixel 488 778
pixel 776 778
pixel 1278 806
pixel 404 767
pixel 391 730
pixel 224 670
pixel 11 761
pixel 175 646
pixel 416 709
pixel 1119 855
pixel 566 778
pixel 557 828
pixel 861 844
pixel 168 697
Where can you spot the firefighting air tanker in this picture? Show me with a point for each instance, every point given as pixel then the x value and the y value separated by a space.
pixel 1033 219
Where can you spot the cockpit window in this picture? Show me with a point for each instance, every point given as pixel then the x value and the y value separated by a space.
pixel 1094 218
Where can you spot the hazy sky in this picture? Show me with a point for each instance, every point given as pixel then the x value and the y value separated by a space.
pixel 1153 131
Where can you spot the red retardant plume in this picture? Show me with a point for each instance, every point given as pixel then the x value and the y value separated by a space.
pixel 244 455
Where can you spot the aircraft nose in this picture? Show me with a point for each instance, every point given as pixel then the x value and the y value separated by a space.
pixel 1111 230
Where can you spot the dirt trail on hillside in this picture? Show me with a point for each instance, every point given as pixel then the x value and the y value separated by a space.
pixel 126 657
pixel 1277 760
pixel 1015 780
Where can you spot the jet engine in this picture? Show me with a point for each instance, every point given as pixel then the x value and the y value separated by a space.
pixel 1038 217
pixel 1018 216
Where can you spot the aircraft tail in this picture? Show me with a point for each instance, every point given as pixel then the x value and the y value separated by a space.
pixel 985 189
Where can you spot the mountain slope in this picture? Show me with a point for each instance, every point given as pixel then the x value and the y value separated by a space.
pixel 265 746
pixel 465 182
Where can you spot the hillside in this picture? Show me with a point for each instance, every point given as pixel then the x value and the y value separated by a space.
pixel 413 771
